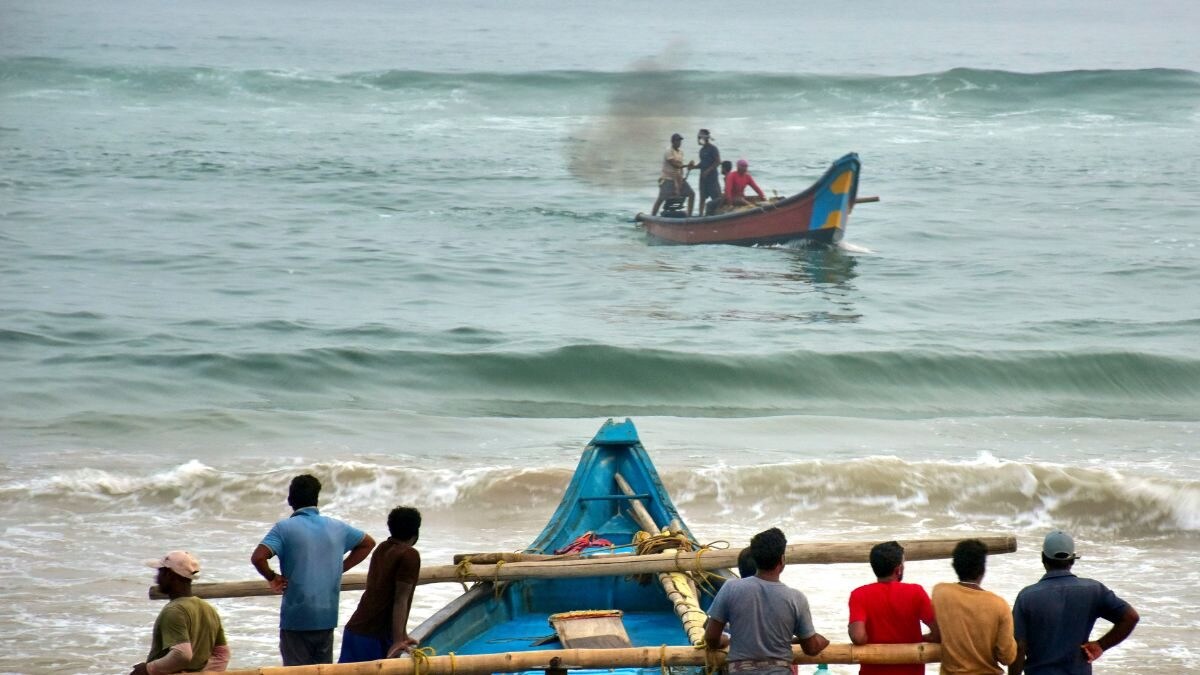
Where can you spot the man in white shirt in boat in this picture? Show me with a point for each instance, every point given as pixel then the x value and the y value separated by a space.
pixel 764 615
pixel 672 183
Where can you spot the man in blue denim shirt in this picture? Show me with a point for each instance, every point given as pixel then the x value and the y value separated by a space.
pixel 310 549
pixel 1053 619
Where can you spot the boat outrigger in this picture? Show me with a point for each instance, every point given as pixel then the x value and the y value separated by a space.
pixel 818 214
pixel 615 582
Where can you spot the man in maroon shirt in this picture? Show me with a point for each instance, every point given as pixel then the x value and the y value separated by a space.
pixel 890 612
pixel 379 626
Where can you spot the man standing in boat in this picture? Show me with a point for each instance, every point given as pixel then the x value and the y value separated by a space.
pixel 310 549
pixel 378 628
pixel 710 160
pixel 1053 619
pixel 764 615
pixel 890 611
pixel 672 183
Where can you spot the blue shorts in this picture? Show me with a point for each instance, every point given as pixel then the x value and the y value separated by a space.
pixel 358 648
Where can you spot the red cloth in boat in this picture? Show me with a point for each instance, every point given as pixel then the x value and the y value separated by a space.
pixel 585 540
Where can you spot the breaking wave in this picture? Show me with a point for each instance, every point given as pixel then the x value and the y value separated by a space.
pixel 1023 496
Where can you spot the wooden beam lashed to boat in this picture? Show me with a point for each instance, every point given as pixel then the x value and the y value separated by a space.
pixel 573 659
pixel 809 553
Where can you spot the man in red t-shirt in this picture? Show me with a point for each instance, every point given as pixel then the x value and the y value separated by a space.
pixel 737 182
pixel 890 612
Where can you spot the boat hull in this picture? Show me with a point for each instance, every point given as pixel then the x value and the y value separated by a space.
pixel 818 214
pixel 514 616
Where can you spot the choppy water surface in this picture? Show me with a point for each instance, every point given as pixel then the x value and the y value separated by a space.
pixel 393 247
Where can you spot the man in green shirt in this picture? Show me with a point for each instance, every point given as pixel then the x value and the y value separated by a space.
pixel 188 636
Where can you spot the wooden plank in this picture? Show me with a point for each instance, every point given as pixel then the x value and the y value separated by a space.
pixel 590 630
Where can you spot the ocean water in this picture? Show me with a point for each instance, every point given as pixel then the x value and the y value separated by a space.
pixel 393 245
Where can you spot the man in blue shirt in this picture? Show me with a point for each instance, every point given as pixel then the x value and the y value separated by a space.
pixel 1053 619
pixel 310 549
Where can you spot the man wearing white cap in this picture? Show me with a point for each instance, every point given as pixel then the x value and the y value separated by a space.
pixel 1053 619
pixel 188 636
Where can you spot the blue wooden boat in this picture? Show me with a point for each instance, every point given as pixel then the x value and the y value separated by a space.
pixel 515 615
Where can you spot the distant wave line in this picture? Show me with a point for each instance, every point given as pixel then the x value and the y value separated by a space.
pixel 22 73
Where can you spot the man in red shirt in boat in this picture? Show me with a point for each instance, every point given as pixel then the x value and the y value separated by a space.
pixel 737 182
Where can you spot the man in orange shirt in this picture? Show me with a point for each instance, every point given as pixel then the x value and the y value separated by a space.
pixel 976 625
pixel 890 612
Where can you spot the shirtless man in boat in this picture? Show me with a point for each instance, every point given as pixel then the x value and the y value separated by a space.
pixel 764 615
pixel 672 183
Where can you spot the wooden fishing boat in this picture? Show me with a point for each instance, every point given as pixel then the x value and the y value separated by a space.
pixel 615 494
pixel 818 214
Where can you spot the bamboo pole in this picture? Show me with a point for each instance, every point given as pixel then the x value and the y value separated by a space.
pixel 493 558
pixel 640 514
pixel 809 553
pixel 680 589
pixel 571 659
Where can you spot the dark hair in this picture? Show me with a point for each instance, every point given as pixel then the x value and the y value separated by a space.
pixel 886 557
pixel 767 548
pixel 1056 564
pixel 726 166
pixel 404 522
pixel 746 566
pixel 970 559
pixel 303 491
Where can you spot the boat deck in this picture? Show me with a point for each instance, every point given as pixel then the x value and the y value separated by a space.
pixel 523 632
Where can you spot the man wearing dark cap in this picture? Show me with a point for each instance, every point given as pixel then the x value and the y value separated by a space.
pixel 1053 619
pixel 710 160
pixel 671 183
pixel 188 636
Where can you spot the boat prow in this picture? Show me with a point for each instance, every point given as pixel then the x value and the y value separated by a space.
pixel 614 492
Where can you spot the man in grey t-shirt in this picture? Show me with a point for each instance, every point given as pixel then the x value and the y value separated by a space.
pixel 763 614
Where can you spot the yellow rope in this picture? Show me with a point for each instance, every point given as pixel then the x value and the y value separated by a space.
pixel 463 571
pixel 662 659
pixel 421 658
pixel 710 658
pixel 451 663
pixel 497 585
